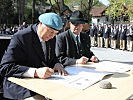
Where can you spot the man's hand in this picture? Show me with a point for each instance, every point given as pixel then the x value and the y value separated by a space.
pixel 43 72
pixel 82 60
pixel 94 59
pixel 59 68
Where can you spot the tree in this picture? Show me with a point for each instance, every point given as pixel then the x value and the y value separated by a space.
pixel 56 5
pixel 6 11
pixel 85 6
pixel 33 11
pixel 119 8
pixel 20 9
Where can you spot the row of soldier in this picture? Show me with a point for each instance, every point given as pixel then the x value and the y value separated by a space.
pixel 108 36
pixel 113 36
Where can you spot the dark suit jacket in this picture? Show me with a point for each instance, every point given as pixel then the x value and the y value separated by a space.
pixel 123 35
pixel 101 31
pixel 24 51
pixel 107 33
pixel 66 49
pixel 114 34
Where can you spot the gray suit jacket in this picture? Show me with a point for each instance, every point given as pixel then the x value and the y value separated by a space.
pixel 66 49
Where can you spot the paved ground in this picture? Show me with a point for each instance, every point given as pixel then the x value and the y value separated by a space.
pixel 113 55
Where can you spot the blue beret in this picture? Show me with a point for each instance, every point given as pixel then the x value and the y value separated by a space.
pixel 51 20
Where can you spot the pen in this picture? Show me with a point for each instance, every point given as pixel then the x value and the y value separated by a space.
pixel 44 64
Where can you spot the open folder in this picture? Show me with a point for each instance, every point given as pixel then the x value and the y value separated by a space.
pixel 79 77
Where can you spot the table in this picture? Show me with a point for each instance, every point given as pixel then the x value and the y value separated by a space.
pixel 122 88
pixel 5 36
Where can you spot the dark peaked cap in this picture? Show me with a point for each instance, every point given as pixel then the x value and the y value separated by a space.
pixel 77 17
pixel 64 8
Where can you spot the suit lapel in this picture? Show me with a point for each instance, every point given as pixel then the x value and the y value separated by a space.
pixel 73 44
pixel 81 38
pixel 50 50
pixel 37 45
pixel 72 38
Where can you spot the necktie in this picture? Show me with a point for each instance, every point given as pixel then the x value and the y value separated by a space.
pixel 44 49
pixel 78 44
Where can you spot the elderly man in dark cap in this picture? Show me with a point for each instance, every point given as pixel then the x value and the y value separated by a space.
pixel 31 53
pixel 65 15
pixel 73 46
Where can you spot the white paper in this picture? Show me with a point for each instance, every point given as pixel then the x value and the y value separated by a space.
pixel 111 66
pixel 79 77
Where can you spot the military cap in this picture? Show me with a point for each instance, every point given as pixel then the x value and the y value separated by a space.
pixel 51 20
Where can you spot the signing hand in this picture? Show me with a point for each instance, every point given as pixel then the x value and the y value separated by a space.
pixel 43 72
pixel 59 68
pixel 94 59
pixel 82 60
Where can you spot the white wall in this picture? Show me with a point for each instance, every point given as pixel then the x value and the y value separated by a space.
pixel 102 20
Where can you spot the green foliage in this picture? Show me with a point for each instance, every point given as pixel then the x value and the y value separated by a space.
pixel 119 8
pixel 97 3
pixel 9 8
pixel 28 11
pixel 85 6
pixel 7 11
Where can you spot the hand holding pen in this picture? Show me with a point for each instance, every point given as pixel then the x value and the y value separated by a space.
pixel 46 72
pixel 43 72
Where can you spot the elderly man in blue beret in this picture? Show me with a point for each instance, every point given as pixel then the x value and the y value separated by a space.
pixel 31 53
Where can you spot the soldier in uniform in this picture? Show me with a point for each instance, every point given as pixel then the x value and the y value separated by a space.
pixel 107 36
pixel 114 35
pixel 130 38
pixel 100 36
pixel 123 37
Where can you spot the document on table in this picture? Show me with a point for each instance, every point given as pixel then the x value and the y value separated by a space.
pixel 79 77
pixel 109 66
pixel 112 66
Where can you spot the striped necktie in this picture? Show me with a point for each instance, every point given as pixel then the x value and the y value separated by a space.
pixel 78 44
pixel 44 49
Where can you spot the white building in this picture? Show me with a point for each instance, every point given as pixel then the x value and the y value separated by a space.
pixel 98 16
